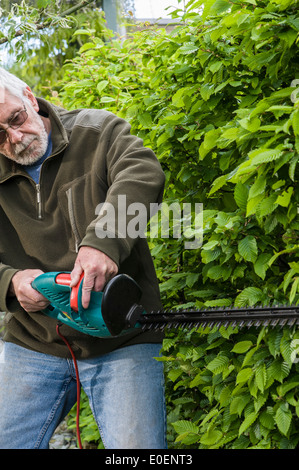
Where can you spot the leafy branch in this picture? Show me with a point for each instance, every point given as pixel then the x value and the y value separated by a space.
pixel 52 19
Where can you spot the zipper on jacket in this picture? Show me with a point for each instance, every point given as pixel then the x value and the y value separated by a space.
pixel 69 194
pixel 39 202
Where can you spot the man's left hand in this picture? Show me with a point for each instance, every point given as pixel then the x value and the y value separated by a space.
pixel 98 269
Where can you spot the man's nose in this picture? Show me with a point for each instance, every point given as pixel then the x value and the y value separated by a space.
pixel 15 136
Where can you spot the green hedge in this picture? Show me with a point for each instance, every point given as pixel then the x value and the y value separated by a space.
pixel 217 100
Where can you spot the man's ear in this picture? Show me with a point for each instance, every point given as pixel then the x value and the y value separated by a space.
pixel 30 96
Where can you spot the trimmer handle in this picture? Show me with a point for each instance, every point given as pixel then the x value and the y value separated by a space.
pixel 110 313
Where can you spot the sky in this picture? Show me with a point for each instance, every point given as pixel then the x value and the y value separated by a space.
pixel 155 8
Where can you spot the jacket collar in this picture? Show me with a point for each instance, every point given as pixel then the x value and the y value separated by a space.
pixel 59 135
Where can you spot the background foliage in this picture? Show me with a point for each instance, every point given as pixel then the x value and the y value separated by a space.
pixel 217 100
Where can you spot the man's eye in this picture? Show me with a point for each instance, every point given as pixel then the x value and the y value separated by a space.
pixel 17 120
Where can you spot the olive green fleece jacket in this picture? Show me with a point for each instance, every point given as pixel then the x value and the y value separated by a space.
pixel 94 159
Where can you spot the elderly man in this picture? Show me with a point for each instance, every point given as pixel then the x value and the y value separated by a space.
pixel 56 167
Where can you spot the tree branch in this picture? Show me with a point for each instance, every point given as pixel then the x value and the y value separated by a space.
pixel 44 25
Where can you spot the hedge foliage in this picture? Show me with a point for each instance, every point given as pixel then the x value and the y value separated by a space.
pixel 217 100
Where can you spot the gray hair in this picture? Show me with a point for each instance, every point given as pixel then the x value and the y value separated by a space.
pixel 9 82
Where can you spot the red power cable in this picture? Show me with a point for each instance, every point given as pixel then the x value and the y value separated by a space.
pixel 78 384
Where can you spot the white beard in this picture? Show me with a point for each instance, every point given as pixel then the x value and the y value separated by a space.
pixel 39 143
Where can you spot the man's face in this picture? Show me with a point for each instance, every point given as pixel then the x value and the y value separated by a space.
pixel 28 143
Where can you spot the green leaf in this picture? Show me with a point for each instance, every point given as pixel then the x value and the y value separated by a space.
pixel 213 7
pixel 261 377
pixel 248 421
pixel 210 139
pixel 241 195
pixel 249 296
pixel 285 388
pixel 206 91
pixel 282 108
pixel 218 183
pixel 102 85
pixel 284 199
pixel 292 168
pixel 209 416
pixel 211 437
pixel 210 245
pixel 286 349
pixel 174 118
pixel 267 205
pixel 261 265
pixel 178 98
pixel 43 3
pixel 295 121
pixel 283 418
pixel 218 272
pixel 218 364
pixel 145 120
pixel 174 374
pixel 251 125
pixel 258 187
pixel 264 155
pixel 267 420
pixel 244 375
pixel 218 303
pixel 260 400
pixel 191 279
pixel 294 290
pixel 230 134
pixel 87 46
pixel 248 358
pixel 238 403
pixel 279 370
pixel 82 31
pixel 253 204
pixel 248 248
pixel 274 339
pixel 107 99
pixel 188 48
pixel 242 347
pixel 183 426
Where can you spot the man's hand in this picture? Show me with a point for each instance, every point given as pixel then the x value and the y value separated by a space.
pixel 98 269
pixel 30 299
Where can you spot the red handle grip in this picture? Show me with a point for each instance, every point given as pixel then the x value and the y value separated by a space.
pixel 64 279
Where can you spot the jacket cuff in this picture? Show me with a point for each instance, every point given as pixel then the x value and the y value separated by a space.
pixel 6 274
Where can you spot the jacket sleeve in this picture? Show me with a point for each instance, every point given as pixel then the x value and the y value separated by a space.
pixel 135 185
pixel 6 274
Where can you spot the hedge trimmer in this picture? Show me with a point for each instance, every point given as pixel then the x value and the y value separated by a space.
pixel 117 309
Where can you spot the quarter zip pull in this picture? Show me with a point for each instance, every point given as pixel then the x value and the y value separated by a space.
pixel 39 201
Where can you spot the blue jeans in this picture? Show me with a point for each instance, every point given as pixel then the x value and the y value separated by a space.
pixel 125 390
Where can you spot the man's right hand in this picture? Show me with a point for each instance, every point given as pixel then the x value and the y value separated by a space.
pixel 20 287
